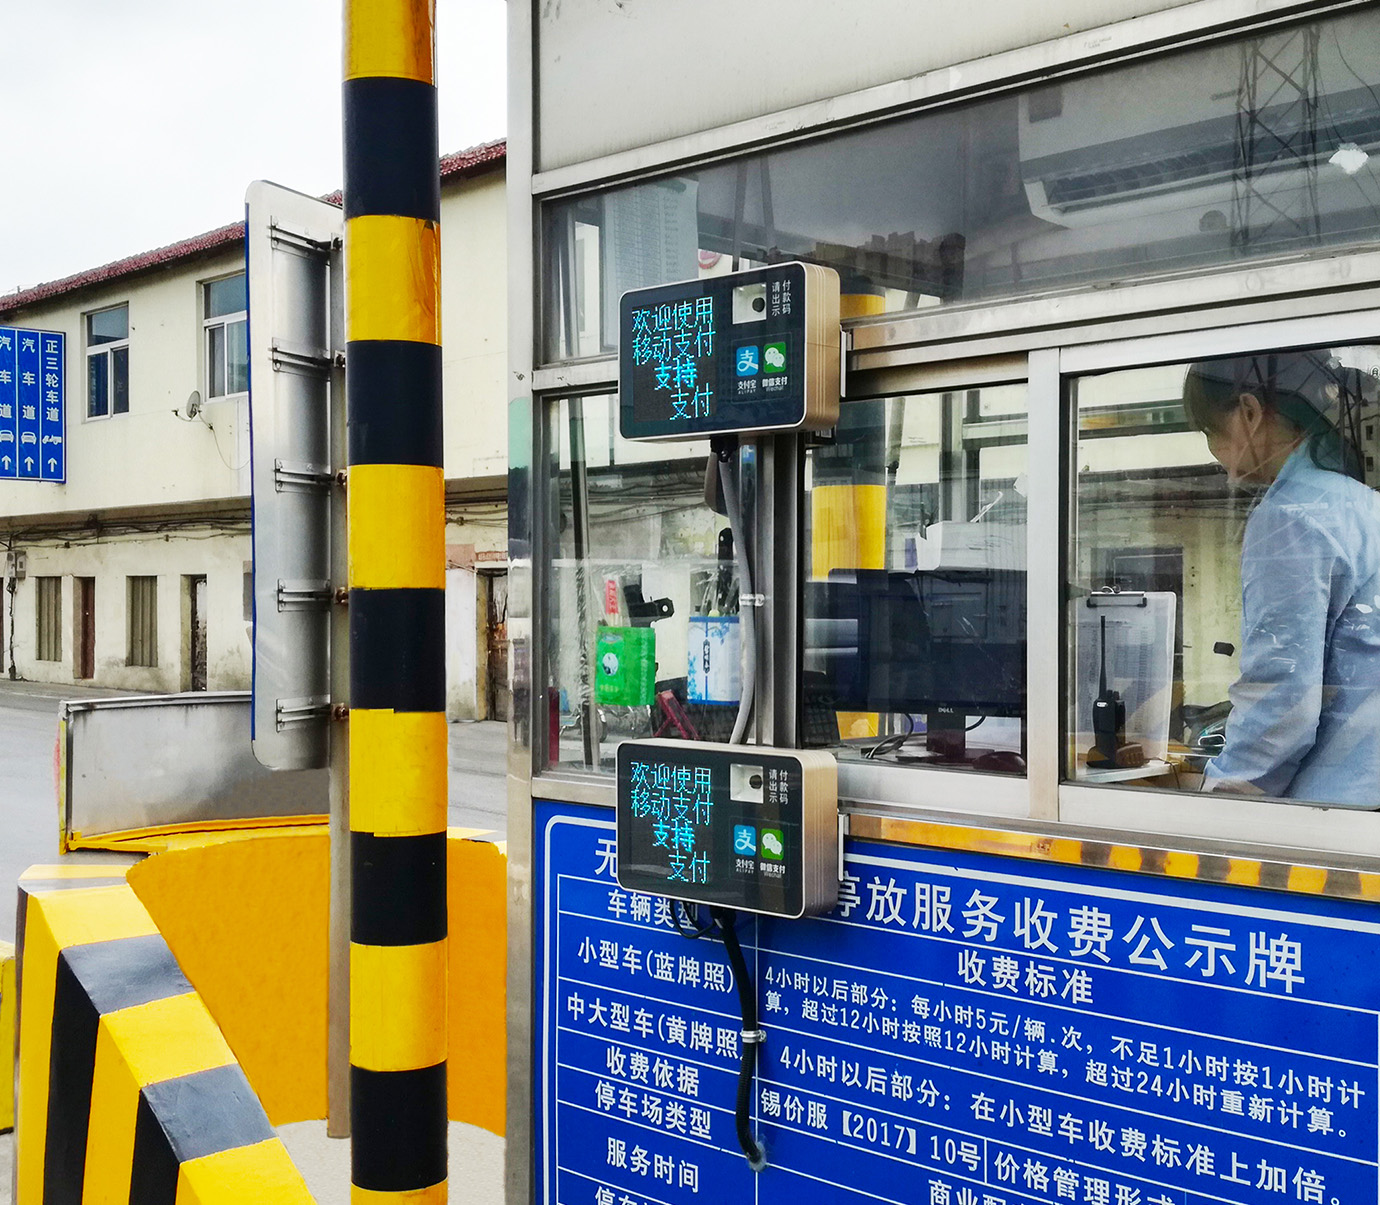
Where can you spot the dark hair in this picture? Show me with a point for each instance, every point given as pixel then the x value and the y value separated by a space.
pixel 1304 387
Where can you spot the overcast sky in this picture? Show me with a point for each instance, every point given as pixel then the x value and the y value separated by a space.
pixel 130 124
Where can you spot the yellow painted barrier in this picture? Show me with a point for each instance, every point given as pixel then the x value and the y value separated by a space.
pixel 246 914
pixel 7 1018
pixel 128 1090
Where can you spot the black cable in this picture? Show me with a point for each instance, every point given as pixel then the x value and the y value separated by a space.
pixel 752 1038
pixel 692 928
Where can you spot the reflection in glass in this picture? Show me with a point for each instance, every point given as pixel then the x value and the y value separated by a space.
pixel 1202 157
pixel 107 326
pixel 215 360
pixel 642 601
pixel 915 598
pixel 228 296
pixel 119 380
pixel 1224 627
pixel 236 357
pixel 97 386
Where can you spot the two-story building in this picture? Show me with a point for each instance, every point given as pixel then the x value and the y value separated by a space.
pixel 134 571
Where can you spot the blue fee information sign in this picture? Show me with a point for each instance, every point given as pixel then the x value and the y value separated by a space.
pixel 961 1030
pixel 32 405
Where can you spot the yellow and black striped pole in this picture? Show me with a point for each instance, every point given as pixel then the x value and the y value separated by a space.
pixel 396 516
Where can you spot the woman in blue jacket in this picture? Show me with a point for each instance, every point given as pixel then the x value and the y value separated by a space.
pixel 1305 718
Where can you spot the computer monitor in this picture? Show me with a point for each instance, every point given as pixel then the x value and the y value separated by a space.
pixel 945 643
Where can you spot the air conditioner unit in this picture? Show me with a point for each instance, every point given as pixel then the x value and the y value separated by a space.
pixel 1105 150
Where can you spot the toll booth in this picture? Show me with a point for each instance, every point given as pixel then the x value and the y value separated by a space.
pixel 1105 926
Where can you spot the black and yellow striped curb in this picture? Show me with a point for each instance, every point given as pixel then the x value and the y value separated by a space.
pixel 128 1091
pixel 396 524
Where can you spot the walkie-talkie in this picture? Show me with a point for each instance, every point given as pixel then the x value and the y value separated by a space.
pixel 1109 713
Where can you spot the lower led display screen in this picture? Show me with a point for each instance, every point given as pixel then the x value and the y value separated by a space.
pixel 734 825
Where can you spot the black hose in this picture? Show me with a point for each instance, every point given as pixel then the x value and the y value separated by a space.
pixel 752 1038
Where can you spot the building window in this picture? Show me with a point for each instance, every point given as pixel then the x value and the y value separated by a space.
pixel 227 336
pixel 107 362
pixel 143 622
pixel 49 636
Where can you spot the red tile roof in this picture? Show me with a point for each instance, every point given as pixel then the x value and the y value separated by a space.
pixel 454 167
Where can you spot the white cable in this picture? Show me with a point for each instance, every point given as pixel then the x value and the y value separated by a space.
pixel 747 617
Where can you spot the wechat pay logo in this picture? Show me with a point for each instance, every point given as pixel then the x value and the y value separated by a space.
pixel 774 356
pixel 773 844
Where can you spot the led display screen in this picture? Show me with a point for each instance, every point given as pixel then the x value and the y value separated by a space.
pixel 730 354
pixel 738 826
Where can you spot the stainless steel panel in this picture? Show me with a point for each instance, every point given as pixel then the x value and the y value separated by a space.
pixel 1360 327
pixel 864 783
pixel 799 51
pixel 338 770
pixel 290 241
pixel 1237 822
pixel 739 96
pixel 527 501
pixel 161 760
pixel 1328 283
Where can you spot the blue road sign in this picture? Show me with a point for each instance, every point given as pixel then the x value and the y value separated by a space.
pixel 961 1030
pixel 32 405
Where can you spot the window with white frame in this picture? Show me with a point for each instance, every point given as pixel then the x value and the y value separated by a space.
pixel 107 362
pixel 226 322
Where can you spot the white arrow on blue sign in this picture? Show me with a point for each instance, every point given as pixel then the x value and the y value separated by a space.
pixel 33 403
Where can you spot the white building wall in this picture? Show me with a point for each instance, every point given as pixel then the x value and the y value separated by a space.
pixel 150 456
pixel 221 557
pixel 151 467
pixel 464 654
pixel 474 327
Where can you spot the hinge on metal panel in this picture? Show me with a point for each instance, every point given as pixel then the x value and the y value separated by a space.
pixel 310 595
pixel 290 475
pixel 302 710
pixel 285 236
pixel 311 360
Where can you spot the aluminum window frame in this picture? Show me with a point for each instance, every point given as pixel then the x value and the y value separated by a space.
pixel 1192 816
pixel 105 350
pixel 224 322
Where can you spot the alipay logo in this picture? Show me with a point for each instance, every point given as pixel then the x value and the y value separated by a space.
pixel 744 840
pixel 748 362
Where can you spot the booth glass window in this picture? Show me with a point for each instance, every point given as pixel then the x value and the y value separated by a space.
pixel 915 591
pixel 1205 157
pixel 1223 628
pixel 642 600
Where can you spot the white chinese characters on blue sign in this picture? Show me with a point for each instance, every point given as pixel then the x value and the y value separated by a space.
pixel 961 1030
pixel 32 405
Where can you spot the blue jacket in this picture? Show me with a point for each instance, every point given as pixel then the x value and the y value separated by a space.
pixel 1305 718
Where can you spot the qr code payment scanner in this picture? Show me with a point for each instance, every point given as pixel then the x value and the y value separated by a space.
pixel 733 826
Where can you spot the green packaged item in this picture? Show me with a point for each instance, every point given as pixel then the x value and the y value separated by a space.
pixel 624 666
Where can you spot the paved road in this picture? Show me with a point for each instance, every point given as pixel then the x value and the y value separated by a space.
pixel 28 799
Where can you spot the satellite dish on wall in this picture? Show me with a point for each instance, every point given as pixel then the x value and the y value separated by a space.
pixel 193 406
